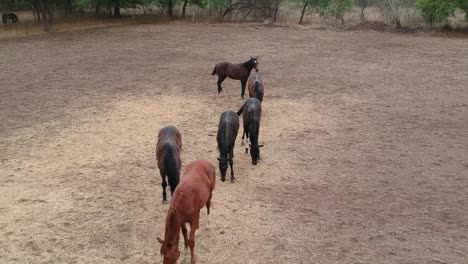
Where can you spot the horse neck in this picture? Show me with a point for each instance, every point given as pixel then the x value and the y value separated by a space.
pixel 172 227
pixel 253 133
pixel 248 65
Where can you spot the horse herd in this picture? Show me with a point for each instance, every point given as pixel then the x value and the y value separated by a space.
pixel 12 17
pixel 194 190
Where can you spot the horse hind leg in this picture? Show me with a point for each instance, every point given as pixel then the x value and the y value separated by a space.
pixel 164 185
pixel 231 163
pixel 220 81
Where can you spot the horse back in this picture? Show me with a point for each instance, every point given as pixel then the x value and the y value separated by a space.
pixel 228 128
pixel 197 182
pixel 252 111
pixel 168 136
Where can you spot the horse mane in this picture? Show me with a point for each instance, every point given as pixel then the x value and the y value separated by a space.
pixel 171 218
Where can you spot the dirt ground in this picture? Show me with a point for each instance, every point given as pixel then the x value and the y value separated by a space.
pixel 365 133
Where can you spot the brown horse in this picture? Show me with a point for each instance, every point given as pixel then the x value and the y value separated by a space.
pixel 239 71
pixel 227 133
pixel 255 86
pixel 194 191
pixel 252 112
pixel 168 151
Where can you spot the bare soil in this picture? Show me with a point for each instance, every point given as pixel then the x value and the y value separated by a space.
pixel 365 133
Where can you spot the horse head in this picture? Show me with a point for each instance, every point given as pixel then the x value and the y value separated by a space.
pixel 169 252
pixel 223 166
pixel 255 153
pixel 254 62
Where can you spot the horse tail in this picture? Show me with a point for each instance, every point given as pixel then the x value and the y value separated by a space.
pixel 171 165
pixel 240 110
pixel 214 71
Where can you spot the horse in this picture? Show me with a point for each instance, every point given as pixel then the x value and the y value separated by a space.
pixel 226 137
pixel 255 86
pixel 252 112
pixel 193 192
pixel 9 16
pixel 240 71
pixel 168 151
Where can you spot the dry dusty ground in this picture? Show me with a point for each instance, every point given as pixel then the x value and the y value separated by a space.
pixel 365 157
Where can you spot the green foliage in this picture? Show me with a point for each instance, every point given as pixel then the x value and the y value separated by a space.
pixel 80 5
pixel 436 10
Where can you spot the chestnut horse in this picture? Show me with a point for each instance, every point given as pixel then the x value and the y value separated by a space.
pixel 226 137
pixel 255 86
pixel 239 71
pixel 252 112
pixel 194 191
pixel 168 151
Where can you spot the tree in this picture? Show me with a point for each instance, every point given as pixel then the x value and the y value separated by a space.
pixel 44 8
pixel 305 4
pixel 328 8
pixel 199 3
pixel 363 4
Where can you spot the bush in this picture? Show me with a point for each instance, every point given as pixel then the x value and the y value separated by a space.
pixel 436 10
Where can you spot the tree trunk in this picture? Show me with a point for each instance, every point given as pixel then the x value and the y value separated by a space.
pixel 170 8
pixel 303 11
pixel 44 9
pixel 209 4
pixel 183 7
pixel 68 7
pixel 98 9
pixel 397 21
pixel 276 12
pixel 117 8
pixel 362 14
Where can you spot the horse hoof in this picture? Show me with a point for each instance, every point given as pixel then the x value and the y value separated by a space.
pixel 233 180
pixel 164 201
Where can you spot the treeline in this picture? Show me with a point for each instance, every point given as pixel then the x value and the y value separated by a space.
pixel 433 11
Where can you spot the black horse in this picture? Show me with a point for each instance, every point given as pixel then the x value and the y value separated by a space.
pixel 226 137
pixel 168 151
pixel 239 71
pixel 252 112
pixel 9 16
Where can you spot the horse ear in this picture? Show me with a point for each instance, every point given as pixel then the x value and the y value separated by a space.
pixel 161 241
pixel 260 146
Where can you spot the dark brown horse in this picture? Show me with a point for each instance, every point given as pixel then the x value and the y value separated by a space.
pixel 255 86
pixel 252 112
pixel 194 191
pixel 168 151
pixel 9 16
pixel 239 71
pixel 226 137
